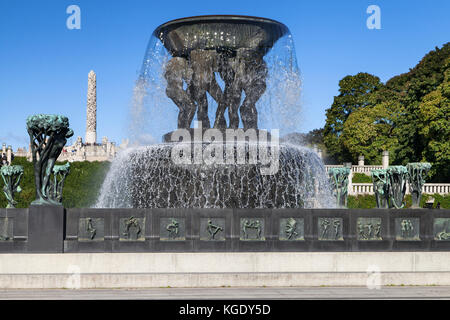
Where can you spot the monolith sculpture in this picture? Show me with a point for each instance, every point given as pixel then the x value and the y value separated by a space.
pixel 48 135
pixel 11 176
pixel 397 176
pixel 339 182
pixel 417 172
pixel 91 119
pixel 381 188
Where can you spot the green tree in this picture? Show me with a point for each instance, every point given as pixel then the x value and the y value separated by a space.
pixel 409 116
pixel 315 137
pixel 409 89
pixel 369 131
pixel 434 128
pixel 353 95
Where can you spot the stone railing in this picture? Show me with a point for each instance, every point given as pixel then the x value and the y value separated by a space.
pixel 361 188
pixel 365 169
pixel 329 166
pixel 440 188
pixel 357 169
pixel 428 188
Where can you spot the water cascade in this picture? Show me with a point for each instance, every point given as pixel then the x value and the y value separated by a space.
pixel 203 80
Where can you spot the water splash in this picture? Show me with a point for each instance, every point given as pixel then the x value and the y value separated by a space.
pixel 146 177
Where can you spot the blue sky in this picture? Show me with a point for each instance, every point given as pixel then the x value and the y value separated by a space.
pixel 44 66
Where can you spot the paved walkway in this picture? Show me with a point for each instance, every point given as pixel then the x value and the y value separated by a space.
pixel 233 293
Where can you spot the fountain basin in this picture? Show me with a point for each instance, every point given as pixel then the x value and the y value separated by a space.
pixel 218 32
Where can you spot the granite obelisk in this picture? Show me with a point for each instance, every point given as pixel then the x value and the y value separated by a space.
pixel 91 123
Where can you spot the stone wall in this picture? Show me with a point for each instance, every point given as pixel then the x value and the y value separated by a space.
pixel 55 229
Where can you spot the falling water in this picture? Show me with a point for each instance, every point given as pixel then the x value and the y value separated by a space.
pixel 144 176
pixel 153 114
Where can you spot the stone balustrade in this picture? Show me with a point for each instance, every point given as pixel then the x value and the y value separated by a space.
pixel 440 188
pixel 361 188
pixel 357 169
pixel 428 188
pixel 365 169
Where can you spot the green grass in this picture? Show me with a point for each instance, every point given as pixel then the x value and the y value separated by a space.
pixel 361 178
pixel 361 202
pixel 368 201
pixel 81 187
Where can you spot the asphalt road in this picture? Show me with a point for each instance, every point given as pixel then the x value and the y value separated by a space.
pixel 345 293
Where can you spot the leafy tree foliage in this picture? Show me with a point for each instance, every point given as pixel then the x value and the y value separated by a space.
pixel 353 95
pixel 434 127
pixel 409 116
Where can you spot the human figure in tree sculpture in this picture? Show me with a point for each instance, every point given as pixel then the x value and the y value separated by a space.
pixel 324 224
pixel 57 183
pixel 397 176
pixel 339 183
pixel 381 188
pixel 48 135
pixel 11 176
pixel 417 172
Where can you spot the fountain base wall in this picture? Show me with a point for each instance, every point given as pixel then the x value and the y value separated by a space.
pixel 226 230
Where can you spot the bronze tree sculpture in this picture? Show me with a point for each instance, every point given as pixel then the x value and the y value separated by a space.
pixel 397 177
pixel 417 173
pixel 48 135
pixel 11 176
pixel 339 179
pixel 60 173
pixel 381 188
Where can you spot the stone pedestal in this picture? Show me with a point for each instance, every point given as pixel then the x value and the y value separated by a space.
pixel 46 229
pixel 9 155
pixel 361 161
pixel 385 159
